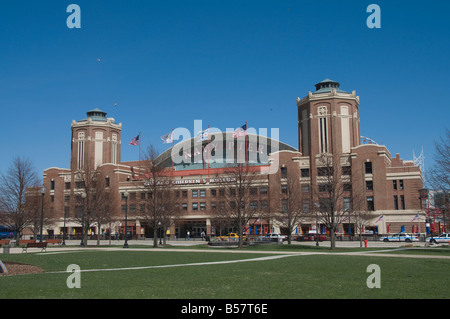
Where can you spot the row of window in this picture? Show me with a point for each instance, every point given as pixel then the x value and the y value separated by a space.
pixel 199 206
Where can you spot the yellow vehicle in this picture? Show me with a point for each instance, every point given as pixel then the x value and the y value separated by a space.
pixel 231 236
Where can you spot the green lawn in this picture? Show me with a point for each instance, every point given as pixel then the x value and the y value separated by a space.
pixel 293 277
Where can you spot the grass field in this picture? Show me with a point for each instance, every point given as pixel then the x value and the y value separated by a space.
pixel 316 274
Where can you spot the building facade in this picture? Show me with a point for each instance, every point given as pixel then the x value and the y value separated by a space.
pixel 328 127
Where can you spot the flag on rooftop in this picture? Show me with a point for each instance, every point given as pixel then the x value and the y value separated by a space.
pixel 135 140
pixel 168 138
pixel 241 131
pixel 203 135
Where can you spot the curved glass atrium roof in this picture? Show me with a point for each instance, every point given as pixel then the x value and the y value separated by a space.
pixel 222 150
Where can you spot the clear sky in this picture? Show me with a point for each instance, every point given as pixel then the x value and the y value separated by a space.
pixel 168 63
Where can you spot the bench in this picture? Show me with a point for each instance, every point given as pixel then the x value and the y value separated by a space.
pixel 43 246
pixel 4 242
pixel 26 241
pixel 54 241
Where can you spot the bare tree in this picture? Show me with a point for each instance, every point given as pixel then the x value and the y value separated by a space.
pixel 331 193
pixel 240 199
pixel 290 209
pixel 105 205
pixel 439 176
pixel 161 203
pixel 95 202
pixel 20 176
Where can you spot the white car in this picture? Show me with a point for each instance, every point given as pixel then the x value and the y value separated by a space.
pixel 400 237
pixel 443 238
pixel 275 235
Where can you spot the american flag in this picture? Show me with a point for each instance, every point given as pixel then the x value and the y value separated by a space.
pixel 242 131
pixel 135 140
pixel 381 217
pixel 415 218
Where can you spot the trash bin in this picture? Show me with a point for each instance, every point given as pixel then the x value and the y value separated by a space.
pixel 6 249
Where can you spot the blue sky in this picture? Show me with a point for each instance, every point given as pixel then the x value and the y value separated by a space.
pixel 168 63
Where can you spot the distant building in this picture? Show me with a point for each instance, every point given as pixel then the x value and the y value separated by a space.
pixel 328 123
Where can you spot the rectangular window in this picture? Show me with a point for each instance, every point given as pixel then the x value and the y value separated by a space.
pixel 253 191
pixel 396 202
pixel 400 184
pixel 67 198
pixel 304 172
pixel 284 205
pixel 369 185
pixel 213 206
pixel 194 206
pixel 305 188
pixel 325 171
pixel 284 189
pixel 368 167
pixel 184 193
pixel 213 192
pixel 323 188
pixel 202 206
pixel 263 190
pixel 67 185
pixel 346 170
pixel 203 193
pixel 263 204
pixel 253 204
pixel 323 142
pixel 347 204
pixel 347 187
pixel 394 184
pixel 283 172
pixel 370 203
pixel 123 208
pixel 305 206
pixel 194 193
pixel 402 202
pixel 184 206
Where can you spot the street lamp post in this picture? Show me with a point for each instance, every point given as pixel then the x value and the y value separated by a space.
pixel 64 230
pixel 159 226
pixel 125 245
pixel 83 195
pixel 42 211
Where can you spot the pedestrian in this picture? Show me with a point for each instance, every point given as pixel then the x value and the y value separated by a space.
pixel 203 235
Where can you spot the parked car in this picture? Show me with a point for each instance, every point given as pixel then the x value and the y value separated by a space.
pixel 312 237
pixel 275 236
pixel 233 236
pixel 400 237
pixel 443 238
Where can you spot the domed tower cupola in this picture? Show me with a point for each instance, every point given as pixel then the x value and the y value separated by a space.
pixel 326 86
pixel 97 115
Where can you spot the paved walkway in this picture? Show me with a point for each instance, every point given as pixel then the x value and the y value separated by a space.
pixel 74 246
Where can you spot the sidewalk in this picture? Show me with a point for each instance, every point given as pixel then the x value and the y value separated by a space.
pixel 72 245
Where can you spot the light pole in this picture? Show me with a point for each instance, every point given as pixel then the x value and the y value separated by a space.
pixel 83 195
pixel 125 245
pixel 64 230
pixel 42 211
pixel 159 226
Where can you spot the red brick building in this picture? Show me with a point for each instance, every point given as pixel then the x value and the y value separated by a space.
pixel 328 124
